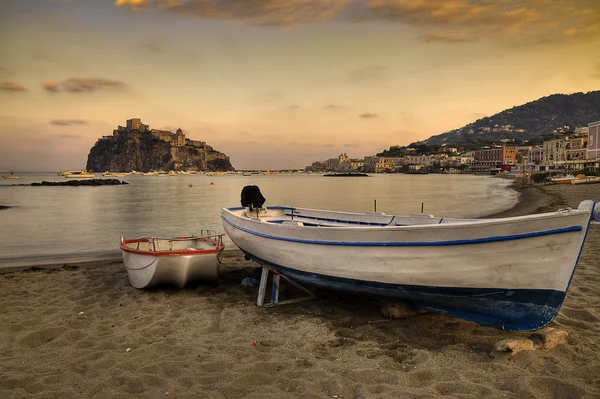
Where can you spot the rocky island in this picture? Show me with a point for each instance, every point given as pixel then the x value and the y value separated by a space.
pixel 137 147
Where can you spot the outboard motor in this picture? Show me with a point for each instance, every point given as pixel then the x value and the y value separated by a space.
pixel 252 198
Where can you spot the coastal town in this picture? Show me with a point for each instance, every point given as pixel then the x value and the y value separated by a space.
pixel 568 150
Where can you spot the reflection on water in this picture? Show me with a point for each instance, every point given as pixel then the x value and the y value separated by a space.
pixel 67 223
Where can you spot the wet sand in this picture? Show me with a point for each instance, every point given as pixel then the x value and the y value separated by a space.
pixel 66 332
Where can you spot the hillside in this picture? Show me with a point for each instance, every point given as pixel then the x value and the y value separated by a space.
pixel 136 150
pixel 526 122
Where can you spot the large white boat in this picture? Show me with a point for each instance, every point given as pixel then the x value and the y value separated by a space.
pixel 510 273
pixel 174 260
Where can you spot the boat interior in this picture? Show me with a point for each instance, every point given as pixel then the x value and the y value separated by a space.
pixel 313 217
pixel 163 244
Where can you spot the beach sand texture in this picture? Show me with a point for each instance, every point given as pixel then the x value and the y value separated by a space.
pixel 66 331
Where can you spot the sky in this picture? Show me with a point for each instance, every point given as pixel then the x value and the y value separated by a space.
pixel 278 84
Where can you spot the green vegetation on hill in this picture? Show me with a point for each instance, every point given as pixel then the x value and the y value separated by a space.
pixel 528 122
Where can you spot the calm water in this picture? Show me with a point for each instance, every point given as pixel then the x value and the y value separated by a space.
pixel 62 224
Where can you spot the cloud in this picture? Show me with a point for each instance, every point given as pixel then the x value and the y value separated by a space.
pixel 531 20
pixel 68 122
pixel 12 86
pixel 154 46
pixel 368 115
pixel 80 85
pixel 257 12
pixel 335 107
pixel 367 74
pixel 437 20
pixel 352 145
pixel 272 96
pixel 445 38
pixel 69 136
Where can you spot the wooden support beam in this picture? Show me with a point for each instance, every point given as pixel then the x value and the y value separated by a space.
pixel 262 289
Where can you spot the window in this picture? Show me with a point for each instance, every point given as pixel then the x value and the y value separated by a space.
pixel 591 140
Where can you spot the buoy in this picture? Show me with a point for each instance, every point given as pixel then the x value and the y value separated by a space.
pixel 212 183
pixel 189 185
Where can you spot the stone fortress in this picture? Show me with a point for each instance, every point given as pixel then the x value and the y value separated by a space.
pixel 136 146
pixel 176 139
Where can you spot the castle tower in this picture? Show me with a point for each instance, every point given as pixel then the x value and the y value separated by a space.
pixel 180 137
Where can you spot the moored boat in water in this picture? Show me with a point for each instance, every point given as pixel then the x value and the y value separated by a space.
pixel 177 261
pixel 11 176
pixel 79 174
pixel 509 273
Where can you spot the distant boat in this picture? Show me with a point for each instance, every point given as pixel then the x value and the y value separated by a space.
pixel 153 173
pixel 114 174
pixel 246 174
pixel 81 174
pixel 346 175
pixel 11 176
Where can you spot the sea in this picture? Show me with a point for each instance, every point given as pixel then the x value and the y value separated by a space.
pixel 54 225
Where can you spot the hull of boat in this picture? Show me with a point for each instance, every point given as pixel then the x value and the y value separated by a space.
pixel 11 177
pixel 80 176
pixel 147 265
pixel 145 271
pixel 587 180
pixel 508 273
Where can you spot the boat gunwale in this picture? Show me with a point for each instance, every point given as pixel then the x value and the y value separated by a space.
pixel 161 253
pixel 391 227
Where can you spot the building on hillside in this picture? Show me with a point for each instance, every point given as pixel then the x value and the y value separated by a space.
pixel 576 152
pixel 593 148
pixel 582 131
pixel 522 154
pixel 493 160
pixel 371 163
pixel 352 165
pixel 335 164
pixel 536 155
pixel 555 153
pixel 423 160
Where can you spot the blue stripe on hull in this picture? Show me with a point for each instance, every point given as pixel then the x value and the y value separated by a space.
pixel 507 309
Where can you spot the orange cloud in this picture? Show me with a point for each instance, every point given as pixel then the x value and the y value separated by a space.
pixel 12 86
pixel 260 12
pixel 487 19
pixel 79 85
pixel 538 20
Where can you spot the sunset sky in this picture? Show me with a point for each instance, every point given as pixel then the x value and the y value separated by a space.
pixel 278 83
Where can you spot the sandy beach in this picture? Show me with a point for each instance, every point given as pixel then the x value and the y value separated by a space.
pixel 82 331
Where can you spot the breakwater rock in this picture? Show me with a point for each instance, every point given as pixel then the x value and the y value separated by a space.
pixel 91 182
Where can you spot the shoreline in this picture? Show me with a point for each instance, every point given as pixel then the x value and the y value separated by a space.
pixel 534 199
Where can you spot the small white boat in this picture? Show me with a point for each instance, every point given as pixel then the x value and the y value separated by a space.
pixel 162 173
pixel 586 180
pixel 11 176
pixel 509 273
pixel 115 174
pixel 563 180
pixel 175 260
pixel 80 174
